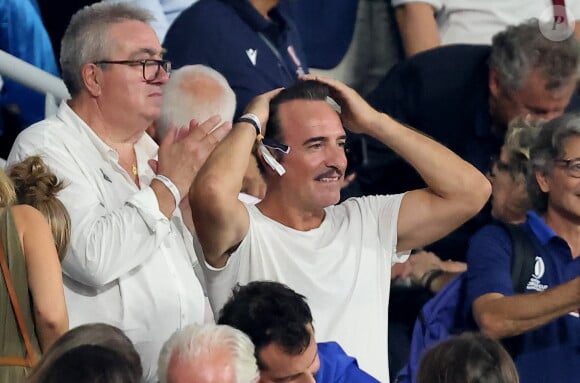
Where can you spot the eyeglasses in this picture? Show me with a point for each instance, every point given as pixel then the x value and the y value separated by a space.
pixel 572 166
pixel 151 67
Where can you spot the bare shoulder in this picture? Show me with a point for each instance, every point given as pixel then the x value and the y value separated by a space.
pixel 26 218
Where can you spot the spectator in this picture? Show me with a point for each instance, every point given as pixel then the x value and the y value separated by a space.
pixel 338 256
pixel 199 92
pixel 468 108
pixel 467 358
pixel 93 334
pixel 253 43
pixel 32 304
pixel 37 186
pixel 91 364
pixel 131 262
pixel 208 353
pixel 427 24
pixel 541 328
pixel 279 322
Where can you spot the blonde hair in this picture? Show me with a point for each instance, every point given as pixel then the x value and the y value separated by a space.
pixel 36 185
pixel 7 194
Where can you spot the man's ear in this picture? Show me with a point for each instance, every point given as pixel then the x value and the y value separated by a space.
pixel 92 78
pixel 494 85
pixel 543 181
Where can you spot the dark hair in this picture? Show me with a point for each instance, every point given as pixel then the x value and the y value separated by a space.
pixel 549 146
pixel 301 90
pixel 269 312
pixel 91 364
pixel 467 358
pixel 93 334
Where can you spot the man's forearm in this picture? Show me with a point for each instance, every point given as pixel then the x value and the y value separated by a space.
pixel 504 316
pixel 445 173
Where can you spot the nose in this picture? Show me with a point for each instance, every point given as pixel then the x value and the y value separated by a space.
pixel 336 157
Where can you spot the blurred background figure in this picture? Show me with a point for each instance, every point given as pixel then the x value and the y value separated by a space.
pixel 468 358
pixel 94 334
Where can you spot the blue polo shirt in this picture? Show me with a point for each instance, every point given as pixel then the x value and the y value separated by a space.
pixel 337 367
pixel 550 353
pixel 254 54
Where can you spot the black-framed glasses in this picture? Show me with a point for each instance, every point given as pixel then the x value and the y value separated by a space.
pixel 571 166
pixel 151 67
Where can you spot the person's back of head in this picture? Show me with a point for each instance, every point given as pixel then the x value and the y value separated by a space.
pixel 522 48
pixel 467 358
pixel 95 334
pixel 37 186
pixel 208 353
pixel 269 312
pixel 195 92
pixel 91 364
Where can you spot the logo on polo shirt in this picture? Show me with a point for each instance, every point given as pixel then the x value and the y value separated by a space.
pixel 535 282
pixel 252 55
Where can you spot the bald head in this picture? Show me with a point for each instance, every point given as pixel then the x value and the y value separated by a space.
pixel 195 92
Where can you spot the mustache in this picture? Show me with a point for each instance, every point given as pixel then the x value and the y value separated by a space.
pixel 332 172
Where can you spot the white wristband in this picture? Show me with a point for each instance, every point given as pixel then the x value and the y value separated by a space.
pixel 171 186
pixel 252 119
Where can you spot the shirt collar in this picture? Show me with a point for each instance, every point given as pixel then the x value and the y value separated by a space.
pixel 541 230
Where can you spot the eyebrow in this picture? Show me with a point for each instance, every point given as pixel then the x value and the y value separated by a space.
pixel 150 52
pixel 321 138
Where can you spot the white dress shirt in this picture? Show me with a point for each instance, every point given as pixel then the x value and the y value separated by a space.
pixel 127 264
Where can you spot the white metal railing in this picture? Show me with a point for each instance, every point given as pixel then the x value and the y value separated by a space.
pixel 34 78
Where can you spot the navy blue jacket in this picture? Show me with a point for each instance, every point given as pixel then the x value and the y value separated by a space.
pixel 254 54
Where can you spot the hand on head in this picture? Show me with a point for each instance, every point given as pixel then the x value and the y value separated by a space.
pixel 356 114
pixel 260 106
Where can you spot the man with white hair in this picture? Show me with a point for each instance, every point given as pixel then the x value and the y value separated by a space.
pixel 199 92
pixel 208 353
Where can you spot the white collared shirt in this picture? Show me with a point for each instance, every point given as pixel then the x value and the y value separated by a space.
pixel 127 264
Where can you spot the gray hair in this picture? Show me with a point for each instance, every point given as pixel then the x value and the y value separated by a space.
pixel 195 92
pixel 196 339
pixel 87 38
pixel 548 147
pixel 522 48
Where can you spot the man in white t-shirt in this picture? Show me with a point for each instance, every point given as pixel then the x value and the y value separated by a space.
pixel 426 24
pixel 338 256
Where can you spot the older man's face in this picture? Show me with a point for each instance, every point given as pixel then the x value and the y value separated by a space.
pixel 562 185
pixel 532 99
pixel 123 87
